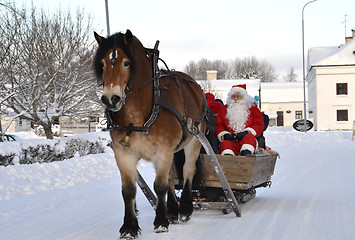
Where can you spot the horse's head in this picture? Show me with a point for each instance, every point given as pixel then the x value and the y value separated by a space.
pixel 114 66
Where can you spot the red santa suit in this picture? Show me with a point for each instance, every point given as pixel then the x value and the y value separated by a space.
pixel 236 117
pixel 212 104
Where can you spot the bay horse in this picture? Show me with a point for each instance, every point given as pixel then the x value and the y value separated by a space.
pixel 147 110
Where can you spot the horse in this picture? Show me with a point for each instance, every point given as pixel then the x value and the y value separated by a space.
pixel 148 110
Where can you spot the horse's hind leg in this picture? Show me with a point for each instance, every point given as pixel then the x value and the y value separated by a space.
pixel 172 204
pixel 192 151
pixel 127 165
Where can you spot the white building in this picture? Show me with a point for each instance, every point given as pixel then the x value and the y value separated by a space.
pixel 283 102
pixel 220 88
pixel 331 86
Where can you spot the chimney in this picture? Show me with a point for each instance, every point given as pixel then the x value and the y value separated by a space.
pixel 348 39
pixel 211 75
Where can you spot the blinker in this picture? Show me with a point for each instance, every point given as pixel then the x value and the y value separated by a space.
pixel 113 61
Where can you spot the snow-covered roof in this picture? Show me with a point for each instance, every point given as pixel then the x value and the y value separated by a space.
pixel 282 92
pixel 222 87
pixel 332 56
pixel 273 92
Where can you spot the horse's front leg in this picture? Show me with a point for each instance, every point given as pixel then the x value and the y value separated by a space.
pixel 127 166
pixel 161 187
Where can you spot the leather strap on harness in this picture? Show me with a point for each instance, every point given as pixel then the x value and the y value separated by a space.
pixel 158 101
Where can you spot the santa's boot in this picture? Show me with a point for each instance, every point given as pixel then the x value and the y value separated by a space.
pixel 245 152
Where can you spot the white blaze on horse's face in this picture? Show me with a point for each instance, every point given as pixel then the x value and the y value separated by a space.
pixel 116 74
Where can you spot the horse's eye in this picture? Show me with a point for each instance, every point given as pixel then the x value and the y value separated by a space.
pixel 126 63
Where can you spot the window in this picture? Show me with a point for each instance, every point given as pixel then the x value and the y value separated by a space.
pixel 342 115
pixel 298 114
pixel 55 120
pixel 342 89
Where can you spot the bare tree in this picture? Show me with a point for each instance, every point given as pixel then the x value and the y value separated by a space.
pixel 199 70
pixel 48 66
pixel 245 68
pixel 192 70
pixel 251 67
pixel 222 68
pixel 207 87
pixel 291 75
pixel 6 45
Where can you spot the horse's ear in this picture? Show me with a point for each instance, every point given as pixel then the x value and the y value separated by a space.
pixel 128 38
pixel 99 38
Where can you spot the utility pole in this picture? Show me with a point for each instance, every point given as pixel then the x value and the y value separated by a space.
pixel 304 69
pixel 107 18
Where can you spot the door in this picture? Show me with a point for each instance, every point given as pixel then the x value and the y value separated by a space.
pixel 280 118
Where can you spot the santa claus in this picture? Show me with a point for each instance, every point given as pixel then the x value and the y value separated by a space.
pixel 239 123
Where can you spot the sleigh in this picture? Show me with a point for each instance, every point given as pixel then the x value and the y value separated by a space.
pixel 229 180
pixel 244 175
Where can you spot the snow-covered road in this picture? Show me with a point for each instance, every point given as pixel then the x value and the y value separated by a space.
pixel 311 197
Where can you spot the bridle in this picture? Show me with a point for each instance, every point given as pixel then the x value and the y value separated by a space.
pixel 158 100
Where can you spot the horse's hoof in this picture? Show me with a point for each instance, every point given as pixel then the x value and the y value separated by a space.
pixel 161 229
pixel 184 218
pixel 127 236
pixel 173 219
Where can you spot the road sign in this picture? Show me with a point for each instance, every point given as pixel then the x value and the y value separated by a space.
pixel 299 125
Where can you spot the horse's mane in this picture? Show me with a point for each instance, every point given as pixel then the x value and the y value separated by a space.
pixel 114 41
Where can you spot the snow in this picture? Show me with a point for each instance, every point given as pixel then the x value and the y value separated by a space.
pixel 342 55
pixel 270 92
pixel 282 92
pixel 221 87
pixel 311 197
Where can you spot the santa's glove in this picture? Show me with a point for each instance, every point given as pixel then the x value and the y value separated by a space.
pixel 229 137
pixel 241 135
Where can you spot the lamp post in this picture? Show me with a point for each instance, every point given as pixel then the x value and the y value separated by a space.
pixel 107 18
pixel 304 70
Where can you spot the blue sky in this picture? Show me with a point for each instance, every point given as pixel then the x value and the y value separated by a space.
pixel 224 29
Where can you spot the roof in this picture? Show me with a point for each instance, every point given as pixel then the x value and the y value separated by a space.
pixel 271 92
pixel 282 92
pixel 343 55
pixel 222 87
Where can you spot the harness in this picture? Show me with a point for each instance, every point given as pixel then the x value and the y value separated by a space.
pixel 158 102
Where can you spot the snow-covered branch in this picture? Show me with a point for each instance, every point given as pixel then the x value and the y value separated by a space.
pixel 49 69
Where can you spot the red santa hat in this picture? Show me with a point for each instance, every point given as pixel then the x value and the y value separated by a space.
pixel 242 88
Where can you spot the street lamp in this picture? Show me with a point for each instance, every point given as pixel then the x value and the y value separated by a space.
pixel 304 70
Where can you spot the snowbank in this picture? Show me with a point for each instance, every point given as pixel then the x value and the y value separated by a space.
pixel 44 150
pixel 33 178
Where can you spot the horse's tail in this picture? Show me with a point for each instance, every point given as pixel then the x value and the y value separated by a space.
pixel 179 161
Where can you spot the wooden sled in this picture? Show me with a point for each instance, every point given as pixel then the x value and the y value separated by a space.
pixel 244 175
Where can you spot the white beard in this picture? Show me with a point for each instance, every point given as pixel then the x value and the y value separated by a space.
pixel 238 113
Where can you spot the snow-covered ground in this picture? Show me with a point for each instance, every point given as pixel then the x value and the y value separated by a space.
pixel 311 197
